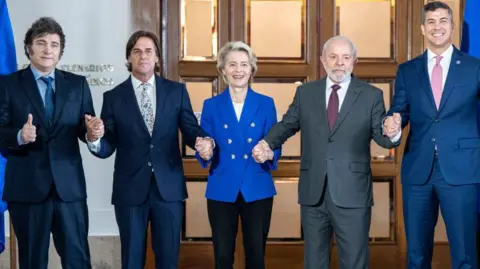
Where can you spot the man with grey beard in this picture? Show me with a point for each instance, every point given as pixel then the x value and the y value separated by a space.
pixel 338 116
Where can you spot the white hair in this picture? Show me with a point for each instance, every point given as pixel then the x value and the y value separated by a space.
pixel 340 38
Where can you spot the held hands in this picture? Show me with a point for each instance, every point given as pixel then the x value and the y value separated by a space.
pixel 95 128
pixel 204 147
pixel 29 131
pixel 392 125
pixel 262 152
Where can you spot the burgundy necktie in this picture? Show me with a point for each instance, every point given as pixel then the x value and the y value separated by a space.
pixel 332 109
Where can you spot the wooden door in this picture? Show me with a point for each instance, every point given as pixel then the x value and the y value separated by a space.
pixel 287 36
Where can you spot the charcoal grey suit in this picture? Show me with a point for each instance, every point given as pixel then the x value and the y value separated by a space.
pixel 335 185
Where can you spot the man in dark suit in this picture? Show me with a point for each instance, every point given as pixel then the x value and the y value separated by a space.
pixel 338 116
pixel 41 119
pixel 142 117
pixel 437 93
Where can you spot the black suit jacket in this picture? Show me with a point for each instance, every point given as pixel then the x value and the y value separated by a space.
pixel 137 152
pixel 55 155
pixel 342 153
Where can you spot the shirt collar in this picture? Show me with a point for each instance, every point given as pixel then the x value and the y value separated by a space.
pixel 447 54
pixel 343 85
pixel 137 83
pixel 37 75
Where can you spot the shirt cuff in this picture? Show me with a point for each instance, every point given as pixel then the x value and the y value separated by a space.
pixel 19 138
pixel 93 146
pixel 397 137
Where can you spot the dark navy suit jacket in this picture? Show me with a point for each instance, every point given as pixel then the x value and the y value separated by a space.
pixel 55 155
pixel 137 153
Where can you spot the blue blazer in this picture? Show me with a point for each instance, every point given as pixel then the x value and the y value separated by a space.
pixel 453 128
pixel 232 167
pixel 138 152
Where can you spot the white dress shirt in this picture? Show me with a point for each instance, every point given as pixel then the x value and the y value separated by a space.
pixel 238 107
pixel 138 88
pixel 444 63
pixel 342 92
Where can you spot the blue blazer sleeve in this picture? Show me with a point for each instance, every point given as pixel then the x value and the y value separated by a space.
pixel 272 120
pixel 206 123
pixel 400 100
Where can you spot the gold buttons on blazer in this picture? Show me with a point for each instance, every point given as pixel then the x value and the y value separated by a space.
pixel 229 141
pixel 252 124
pixel 245 156
pixel 225 126
pixel 249 140
pixel 233 156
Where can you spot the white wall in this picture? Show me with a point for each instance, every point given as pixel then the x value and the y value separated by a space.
pixel 96 33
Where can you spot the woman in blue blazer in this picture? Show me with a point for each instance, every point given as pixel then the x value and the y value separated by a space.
pixel 237 119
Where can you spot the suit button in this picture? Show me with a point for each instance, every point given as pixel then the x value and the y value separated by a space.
pixel 149 164
pixel 252 124
pixel 233 156
pixel 249 140
pixel 151 146
pixel 245 156
pixel 433 139
pixel 330 140
pixel 229 141
pixel 437 120
pixel 225 126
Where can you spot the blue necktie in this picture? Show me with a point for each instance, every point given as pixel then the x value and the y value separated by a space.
pixel 49 98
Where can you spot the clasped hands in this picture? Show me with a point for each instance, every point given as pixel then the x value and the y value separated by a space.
pixel 204 147
pixel 262 152
pixel 392 125
pixel 95 128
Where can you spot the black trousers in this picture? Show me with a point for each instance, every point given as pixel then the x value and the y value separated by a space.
pixel 255 217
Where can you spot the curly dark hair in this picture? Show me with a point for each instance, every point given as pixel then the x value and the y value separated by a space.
pixel 42 27
pixel 133 40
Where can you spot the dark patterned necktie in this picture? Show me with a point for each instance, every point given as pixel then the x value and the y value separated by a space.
pixel 332 109
pixel 49 98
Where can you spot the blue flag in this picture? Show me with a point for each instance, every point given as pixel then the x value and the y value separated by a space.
pixel 8 64
pixel 471 45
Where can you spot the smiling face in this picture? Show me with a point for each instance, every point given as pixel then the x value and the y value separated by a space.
pixel 44 52
pixel 438 29
pixel 238 69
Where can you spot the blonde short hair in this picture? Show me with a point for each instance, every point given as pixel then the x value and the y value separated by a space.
pixel 236 46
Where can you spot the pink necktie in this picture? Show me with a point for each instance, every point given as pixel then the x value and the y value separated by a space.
pixel 437 78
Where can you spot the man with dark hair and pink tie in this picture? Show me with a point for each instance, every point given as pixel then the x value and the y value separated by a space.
pixel 338 116
pixel 437 93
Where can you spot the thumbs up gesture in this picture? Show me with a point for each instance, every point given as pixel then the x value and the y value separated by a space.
pixel 29 132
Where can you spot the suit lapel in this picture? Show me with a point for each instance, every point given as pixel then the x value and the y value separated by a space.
pixel 161 96
pixel 351 97
pixel 250 108
pixel 61 96
pixel 227 112
pixel 454 72
pixel 422 71
pixel 131 106
pixel 320 100
pixel 30 86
